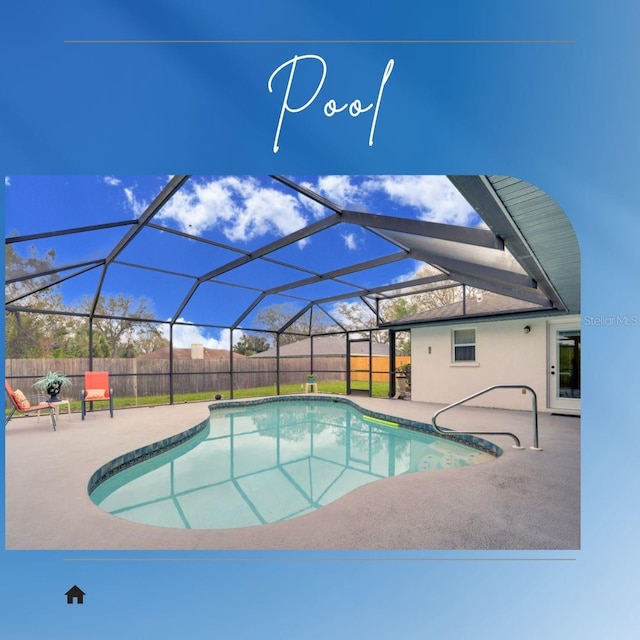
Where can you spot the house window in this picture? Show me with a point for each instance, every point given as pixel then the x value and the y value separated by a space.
pixel 464 345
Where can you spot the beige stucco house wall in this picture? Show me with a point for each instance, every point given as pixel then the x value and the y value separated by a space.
pixel 505 354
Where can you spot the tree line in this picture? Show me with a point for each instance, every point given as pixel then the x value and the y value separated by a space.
pixel 61 330
pixel 127 329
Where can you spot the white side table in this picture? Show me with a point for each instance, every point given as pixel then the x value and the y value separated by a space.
pixel 57 406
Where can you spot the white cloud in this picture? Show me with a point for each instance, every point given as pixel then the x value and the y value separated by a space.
pixel 350 241
pixel 112 181
pixel 136 206
pixel 240 207
pixel 339 189
pixel 317 210
pixel 344 191
pixel 184 335
pixel 7 181
pixel 434 197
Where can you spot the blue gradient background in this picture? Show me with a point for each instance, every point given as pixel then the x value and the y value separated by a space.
pixel 562 116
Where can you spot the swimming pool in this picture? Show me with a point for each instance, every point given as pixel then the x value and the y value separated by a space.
pixel 259 462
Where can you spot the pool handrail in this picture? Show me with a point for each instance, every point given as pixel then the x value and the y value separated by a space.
pixel 534 409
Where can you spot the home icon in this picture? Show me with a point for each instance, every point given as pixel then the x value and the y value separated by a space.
pixel 75 593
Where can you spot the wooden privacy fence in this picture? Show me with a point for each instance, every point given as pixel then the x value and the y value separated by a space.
pixel 379 367
pixel 131 377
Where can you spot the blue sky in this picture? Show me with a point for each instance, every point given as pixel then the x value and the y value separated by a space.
pixel 241 212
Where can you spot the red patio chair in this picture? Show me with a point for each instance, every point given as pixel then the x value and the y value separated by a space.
pixel 21 404
pixel 96 389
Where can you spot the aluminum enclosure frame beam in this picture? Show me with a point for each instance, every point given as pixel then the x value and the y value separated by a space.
pixel 305 232
pixel 159 201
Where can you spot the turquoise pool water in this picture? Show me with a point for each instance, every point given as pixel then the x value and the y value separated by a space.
pixel 251 465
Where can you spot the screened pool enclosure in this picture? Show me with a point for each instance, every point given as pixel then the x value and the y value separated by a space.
pixel 188 285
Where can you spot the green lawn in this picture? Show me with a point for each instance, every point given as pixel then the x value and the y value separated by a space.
pixel 380 390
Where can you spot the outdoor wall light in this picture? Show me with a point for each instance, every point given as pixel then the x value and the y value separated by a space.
pixel 527 329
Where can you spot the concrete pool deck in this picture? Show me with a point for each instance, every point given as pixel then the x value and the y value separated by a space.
pixel 522 500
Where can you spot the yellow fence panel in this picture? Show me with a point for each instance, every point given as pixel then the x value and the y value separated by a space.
pixel 379 366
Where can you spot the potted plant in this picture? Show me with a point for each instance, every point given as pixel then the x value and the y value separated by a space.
pixel 52 383
pixel 311 378
pixel 406 369
pixel 403 378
